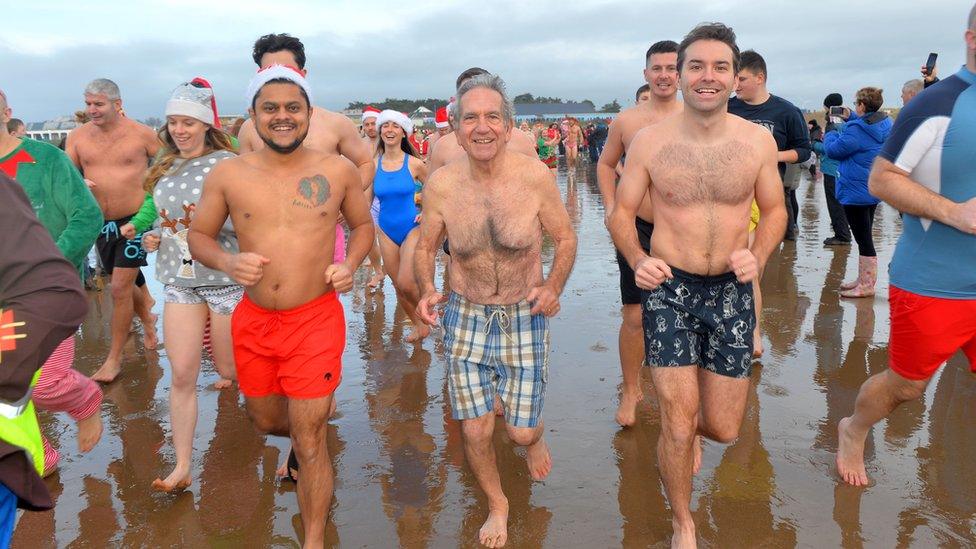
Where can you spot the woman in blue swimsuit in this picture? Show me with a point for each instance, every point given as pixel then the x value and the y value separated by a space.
pixel 396 169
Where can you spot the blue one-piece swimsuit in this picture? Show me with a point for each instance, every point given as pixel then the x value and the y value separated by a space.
pixel 395 192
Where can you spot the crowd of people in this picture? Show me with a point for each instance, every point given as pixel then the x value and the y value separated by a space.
pixel 257 230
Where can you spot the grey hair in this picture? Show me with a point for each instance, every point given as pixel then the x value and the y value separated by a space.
pixel 913 86
pixel 972 18
pixel 103 86
pixel 490 82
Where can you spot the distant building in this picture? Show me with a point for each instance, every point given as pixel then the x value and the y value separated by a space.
pixel 555 111
pixel 52 131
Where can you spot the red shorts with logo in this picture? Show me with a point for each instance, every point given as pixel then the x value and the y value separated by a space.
pixel 927 331
pixel 296 353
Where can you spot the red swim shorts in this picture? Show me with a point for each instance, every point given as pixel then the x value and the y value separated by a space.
pixel 296 353
pixel 927 331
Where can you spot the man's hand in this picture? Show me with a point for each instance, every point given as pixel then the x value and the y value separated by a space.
pixel 339 275
pixel 929 76
pixel 246 268
pixel 651 272
pixel 744 265
pixel 426 307
pixel 128 231
pixel 544 301
pixel 963 216
pixel 150 242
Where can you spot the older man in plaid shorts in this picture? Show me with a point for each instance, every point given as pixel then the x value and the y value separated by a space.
pixel 494 206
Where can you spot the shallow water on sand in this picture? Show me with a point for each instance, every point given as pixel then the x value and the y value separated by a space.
pixel 401 479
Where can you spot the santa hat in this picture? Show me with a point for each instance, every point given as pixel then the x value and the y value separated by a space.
pixel 398 118
pixel 193 100
pixel 440 118
pixel 370 112
pixel 201 81
pixel 275 72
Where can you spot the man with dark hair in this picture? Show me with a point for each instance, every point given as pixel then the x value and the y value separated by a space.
pixel 643 94
pixel 784 120
pixel 328 132
pixel 16 128
pixel 829 167
pixel 661 74
pixel 467 75
pixel 702 168
pixel 289 329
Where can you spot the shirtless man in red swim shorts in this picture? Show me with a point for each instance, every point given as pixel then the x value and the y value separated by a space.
pixel 289 330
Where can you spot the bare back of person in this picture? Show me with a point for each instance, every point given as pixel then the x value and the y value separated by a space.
pixel 701 193
pixel 115 161
pixel 286 214
pixel 494 230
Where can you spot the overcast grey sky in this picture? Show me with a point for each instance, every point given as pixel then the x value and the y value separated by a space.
pixel 369 50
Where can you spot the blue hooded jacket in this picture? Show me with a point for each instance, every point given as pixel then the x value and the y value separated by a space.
pixel 855 146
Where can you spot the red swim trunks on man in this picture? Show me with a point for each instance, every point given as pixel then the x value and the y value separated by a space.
pixel 296 352
pixel 927 331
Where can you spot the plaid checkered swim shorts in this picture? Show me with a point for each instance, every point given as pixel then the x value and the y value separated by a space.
pixel 496 348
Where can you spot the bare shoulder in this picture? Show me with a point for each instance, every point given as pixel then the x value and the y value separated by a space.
pixel 523 143
pixel 533 172
pixel 442 179
pixel 754 134
pixel 333 119
pixel 81 133
pixel 338 168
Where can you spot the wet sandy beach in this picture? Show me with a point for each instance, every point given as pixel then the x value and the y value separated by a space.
pixel 401 480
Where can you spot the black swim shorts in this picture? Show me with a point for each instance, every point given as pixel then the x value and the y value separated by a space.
pixel 630 294
pixel 115 251
pixel 700 320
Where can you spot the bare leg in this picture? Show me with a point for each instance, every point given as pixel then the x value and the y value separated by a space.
pixel 677 391
pixel 407 285
pixel 757 344
pixel 183 331
pixel 223 349
pixel 309 420
pixel 631 346
pixel 391 263
pixel 878 397
pixel 376 265
pixel 142 304
pixel 537 453
pixel 123 287
pixel 478 448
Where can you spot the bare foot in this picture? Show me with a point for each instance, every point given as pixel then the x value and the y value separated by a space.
pixel 175 482
pixel 418 334
pixel 499 407
pixel 627 411
pixel 284 471
pixel 757 346
pixel 684 538
pixel 539 459
pixel 377 280
pixel 494 532
pixel 108 372
pixel 223 383
pixel 149 339
pixel 696 451
pixel 89 431
pixel 850 455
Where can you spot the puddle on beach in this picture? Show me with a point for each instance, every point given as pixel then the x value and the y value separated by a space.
pixel 401 479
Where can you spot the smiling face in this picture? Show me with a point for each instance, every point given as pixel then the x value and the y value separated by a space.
pixel 483 129
pixel 391 133
pixel 188 133
pixel 281 116
pixel 707 76
pixel 102 110
pixel 662 75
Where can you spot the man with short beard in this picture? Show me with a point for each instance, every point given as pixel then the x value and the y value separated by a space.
pixel 113 152
pixel 702 169
pixel 494 205
pixel 661 73
pixel 369 127
pixel 289 330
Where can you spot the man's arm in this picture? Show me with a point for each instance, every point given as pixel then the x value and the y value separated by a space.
pixel 634 184
pixel 208 218
pixel 797 140
pixel 606 170
pixel 555 221
pixel 71 148
pixel 151 141
pixel 769 198
pixel 79 207
pixel 248 137
pixel 432 230
pixel 352 147
pixel 355 209
pixel 893 185
pixel 438 156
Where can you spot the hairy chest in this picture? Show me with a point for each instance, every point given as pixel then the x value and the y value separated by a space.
pixel 686 174
pixel 505 227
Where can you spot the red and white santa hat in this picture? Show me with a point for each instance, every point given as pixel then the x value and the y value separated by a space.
pixel 194 99
pixel 370 112
pixel 398 118
pixel 440 118
pixel 275 72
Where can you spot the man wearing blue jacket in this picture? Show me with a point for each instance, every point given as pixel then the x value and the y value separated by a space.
pixel 856 145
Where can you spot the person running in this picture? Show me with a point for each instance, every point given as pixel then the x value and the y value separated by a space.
pixel 397 167
pixel 69 212
pixel 546 144
pixel 574 136
pixel 924 170
pixel 289 329
pixel 855 146
pixel 496 326
pixel 113 152
pixel 192 148
pixel 697 298
pixel 661 72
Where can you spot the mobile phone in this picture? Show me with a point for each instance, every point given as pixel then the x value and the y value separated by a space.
pixel 930 63
pixel 837 111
